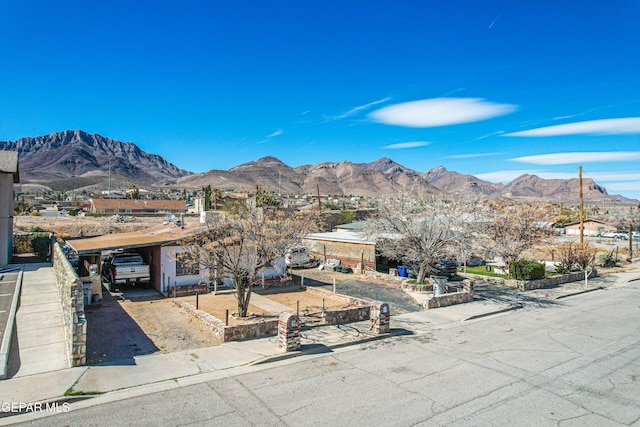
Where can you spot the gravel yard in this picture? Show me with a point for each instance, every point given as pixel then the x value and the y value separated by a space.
pixel 358 287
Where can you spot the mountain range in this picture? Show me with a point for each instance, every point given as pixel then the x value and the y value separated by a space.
pixel 77 160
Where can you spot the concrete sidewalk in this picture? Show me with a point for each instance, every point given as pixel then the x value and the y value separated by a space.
pixel 39 343
pixel 156 372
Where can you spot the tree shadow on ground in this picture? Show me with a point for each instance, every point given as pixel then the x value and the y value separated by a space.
pixel 113 337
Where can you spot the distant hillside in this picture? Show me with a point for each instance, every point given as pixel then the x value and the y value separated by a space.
pixel 532 186
pixel 344 178
pixel 76 160
pixel 454 182
pixel 78 154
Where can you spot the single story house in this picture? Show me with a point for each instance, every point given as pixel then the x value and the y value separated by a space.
pixel 350 247
pixel 136 206
pixel 158 247
pixel 592 227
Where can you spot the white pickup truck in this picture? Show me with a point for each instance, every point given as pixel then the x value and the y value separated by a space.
pixel 126 268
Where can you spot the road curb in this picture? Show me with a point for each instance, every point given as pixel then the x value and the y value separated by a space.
pixel 324 349
pixel 491 313
pixel 5 348
pixel 584 291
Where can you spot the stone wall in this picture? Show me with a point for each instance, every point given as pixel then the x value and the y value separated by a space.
pixel 236 332
pixel 447 299
pixel 527 285
pixel 339 316
pixel 72 299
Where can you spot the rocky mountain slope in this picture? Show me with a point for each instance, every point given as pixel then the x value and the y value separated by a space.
pixel 454 182
pixel 71 160
pixel 78 154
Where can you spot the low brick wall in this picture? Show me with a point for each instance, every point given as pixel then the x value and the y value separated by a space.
pixel 72 299
pixel 528 285
pixel 237 332
pixel 447 299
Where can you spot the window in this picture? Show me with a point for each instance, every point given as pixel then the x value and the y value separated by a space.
pixel 185 269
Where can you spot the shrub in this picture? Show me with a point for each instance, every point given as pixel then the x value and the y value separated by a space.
pixel 36 213
pixel 40 244
pixel 526 270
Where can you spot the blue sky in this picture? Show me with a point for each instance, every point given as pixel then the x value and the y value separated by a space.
pixel 491 88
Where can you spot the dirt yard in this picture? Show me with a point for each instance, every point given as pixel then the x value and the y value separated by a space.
pixel 66 226
pixel 310 302
pixel 217 306
pixel 119 329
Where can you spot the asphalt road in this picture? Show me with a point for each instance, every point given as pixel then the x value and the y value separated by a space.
pixel 576 362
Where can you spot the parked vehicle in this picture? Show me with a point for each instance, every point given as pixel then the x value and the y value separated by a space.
pixel 447 267
pixel 126 268
pixel 474 261
pixel 613 235
pixel 297 257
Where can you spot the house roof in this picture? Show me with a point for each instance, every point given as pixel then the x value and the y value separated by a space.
pixel 341 236
pixel 357 225
pixel 159 235
pixel 133 204
pixel 9 164
pixel 598 221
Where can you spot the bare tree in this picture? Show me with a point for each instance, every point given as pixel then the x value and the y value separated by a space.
pixel 511 228
pixel 419 229
pixel 241 243
pixel 574 254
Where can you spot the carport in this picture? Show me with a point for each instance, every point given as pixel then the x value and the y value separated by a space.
pixel 156 245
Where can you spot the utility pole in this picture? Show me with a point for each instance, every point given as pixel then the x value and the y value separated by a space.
pixel 630 240
pixel 581 206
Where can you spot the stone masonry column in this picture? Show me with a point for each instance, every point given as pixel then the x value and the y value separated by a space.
pixel 289 332
pixel 379 317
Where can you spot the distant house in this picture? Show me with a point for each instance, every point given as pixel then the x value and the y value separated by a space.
pixel 9 175
pixel 592 227
pixel 350 247
pixel 136 206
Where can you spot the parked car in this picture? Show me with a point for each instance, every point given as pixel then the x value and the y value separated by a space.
pixel 126 268
pixel 474 261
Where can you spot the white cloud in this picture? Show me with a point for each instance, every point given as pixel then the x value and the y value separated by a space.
pixel 356 110
pixel 624 186
pixel 412 144
pixel 471 156
pixel 440 112
pixel 629 125
pixel 276 133
pixel 578 157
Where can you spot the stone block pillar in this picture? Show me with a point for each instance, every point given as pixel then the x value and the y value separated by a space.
pixel 289 332
pixel 467 285
pixel 380 316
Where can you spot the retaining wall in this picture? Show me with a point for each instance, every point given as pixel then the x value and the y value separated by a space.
pixel 339 316
pixel 528 285
pixel 448 299
pixel 236 332
pixel 72 299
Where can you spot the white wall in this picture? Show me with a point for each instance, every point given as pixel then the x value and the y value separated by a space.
pixel 168 268
pixel 6 218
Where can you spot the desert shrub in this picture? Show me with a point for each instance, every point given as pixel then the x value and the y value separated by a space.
pixel 574 256
pixel 40 244
pixel 526 270
pixel 36 213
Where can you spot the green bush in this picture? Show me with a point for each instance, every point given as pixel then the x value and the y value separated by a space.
pixel 526 270
pixel 40 244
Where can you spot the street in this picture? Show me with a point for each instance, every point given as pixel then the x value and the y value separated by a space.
pixel 576 362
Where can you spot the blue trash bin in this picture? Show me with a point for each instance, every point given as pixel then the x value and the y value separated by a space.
pixel 402 271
